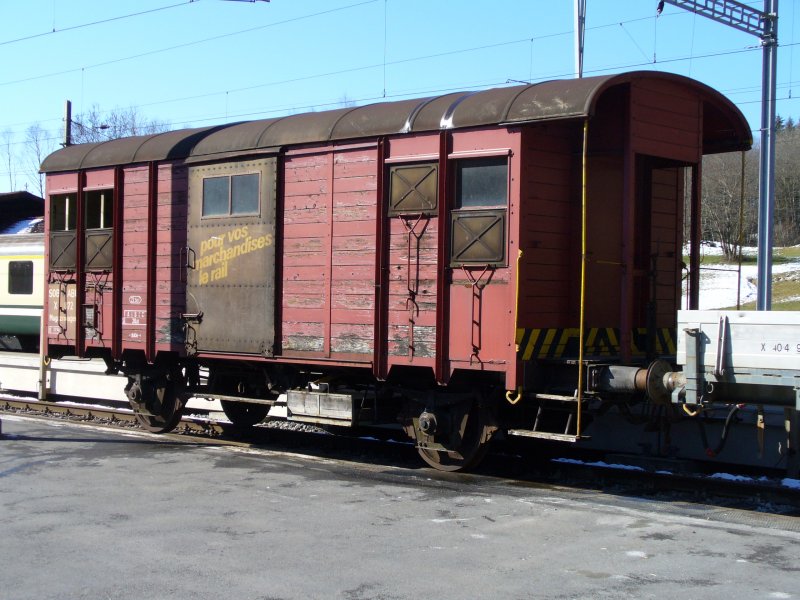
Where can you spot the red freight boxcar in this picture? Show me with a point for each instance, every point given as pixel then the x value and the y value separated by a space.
pixel 448 261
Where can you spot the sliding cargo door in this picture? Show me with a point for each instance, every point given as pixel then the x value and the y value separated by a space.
pixel 230 258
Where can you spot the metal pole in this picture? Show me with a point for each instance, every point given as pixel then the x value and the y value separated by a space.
pixel 582 315
pixel 766 205
pixel 67 124
pixel 580 29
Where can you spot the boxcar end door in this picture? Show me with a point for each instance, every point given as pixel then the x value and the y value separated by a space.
pixel 231 257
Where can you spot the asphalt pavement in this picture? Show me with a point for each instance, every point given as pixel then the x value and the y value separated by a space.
pixel 87 512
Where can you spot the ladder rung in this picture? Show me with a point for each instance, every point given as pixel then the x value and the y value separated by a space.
pixel 555 397
pixel 545 435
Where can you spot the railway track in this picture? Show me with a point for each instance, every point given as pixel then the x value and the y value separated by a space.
pixel 100 415
pixel 514 465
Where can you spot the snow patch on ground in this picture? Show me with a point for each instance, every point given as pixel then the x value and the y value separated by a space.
pixel 786 482
pixel 718 283
pixel 791 483
pixel 600 463
pixel 729 477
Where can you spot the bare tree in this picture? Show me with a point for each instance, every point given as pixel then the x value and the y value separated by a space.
pixel 722 182
pixel 96 126
pixel 91 126
pixel 724 216
pixel 787 185
pixel 38 144
pixel 8 158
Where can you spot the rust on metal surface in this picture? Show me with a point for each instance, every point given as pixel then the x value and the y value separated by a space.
pixel 231 279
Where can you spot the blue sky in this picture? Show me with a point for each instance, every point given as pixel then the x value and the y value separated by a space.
pixel 201 62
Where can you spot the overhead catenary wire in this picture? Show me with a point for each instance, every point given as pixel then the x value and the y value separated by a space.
pixel 386 94
pixel 189 44
pixel 317 105
pixel 397 95
pixel 527 40
pixel 92 24
pixel 283 22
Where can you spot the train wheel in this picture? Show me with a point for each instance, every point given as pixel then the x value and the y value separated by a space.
pixel 244 414
pixel 156 405
pixel 461 448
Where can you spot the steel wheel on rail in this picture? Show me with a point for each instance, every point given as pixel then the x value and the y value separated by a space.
pixel 455 438
pixel 156 405
pixel 244 414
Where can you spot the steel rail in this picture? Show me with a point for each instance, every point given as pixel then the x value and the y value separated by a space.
pixel 527 468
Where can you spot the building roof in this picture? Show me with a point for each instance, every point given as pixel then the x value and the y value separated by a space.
pixel 18 210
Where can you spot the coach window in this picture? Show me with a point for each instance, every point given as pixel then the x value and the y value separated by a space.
pixel 478 219
pixel 231 195
pixel 20 277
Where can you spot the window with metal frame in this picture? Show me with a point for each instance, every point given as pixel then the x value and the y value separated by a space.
pixel 98 209
pixel 63 212
pixel 98 219
pixel 478 219
pixel 482 182
pixel 63 226
pixel 20 277
pixel 413 189
pixel 231 195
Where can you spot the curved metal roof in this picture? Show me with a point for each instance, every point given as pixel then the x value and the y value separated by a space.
pixel 725 128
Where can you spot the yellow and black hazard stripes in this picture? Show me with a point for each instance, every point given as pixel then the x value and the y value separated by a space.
pixel 600 341
pixel 663 341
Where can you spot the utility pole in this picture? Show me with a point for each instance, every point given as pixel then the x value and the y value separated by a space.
pixel 764 25
pixel 580 35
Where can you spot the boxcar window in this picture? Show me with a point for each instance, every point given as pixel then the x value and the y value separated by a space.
pixel 478 219
pixel 215 196
pixel 63 212
pixel 413 189
pixel 231 195
pixel 20 277
pixel 244 194
pixel 482 182
pixel 98 209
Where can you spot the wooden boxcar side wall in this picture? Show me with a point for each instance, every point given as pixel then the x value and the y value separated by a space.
pixel 353 252
pixel 170 238
pixel 634 213
pixel 482 303
pixel 328 231
pixel 134 230
pixel 61 324
pixel 548 190
pixel 413 241
pixel 667 241
pixel 137 301
pixel 306 265
pixel 98 285
pixel 666 125
pixel 331 214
